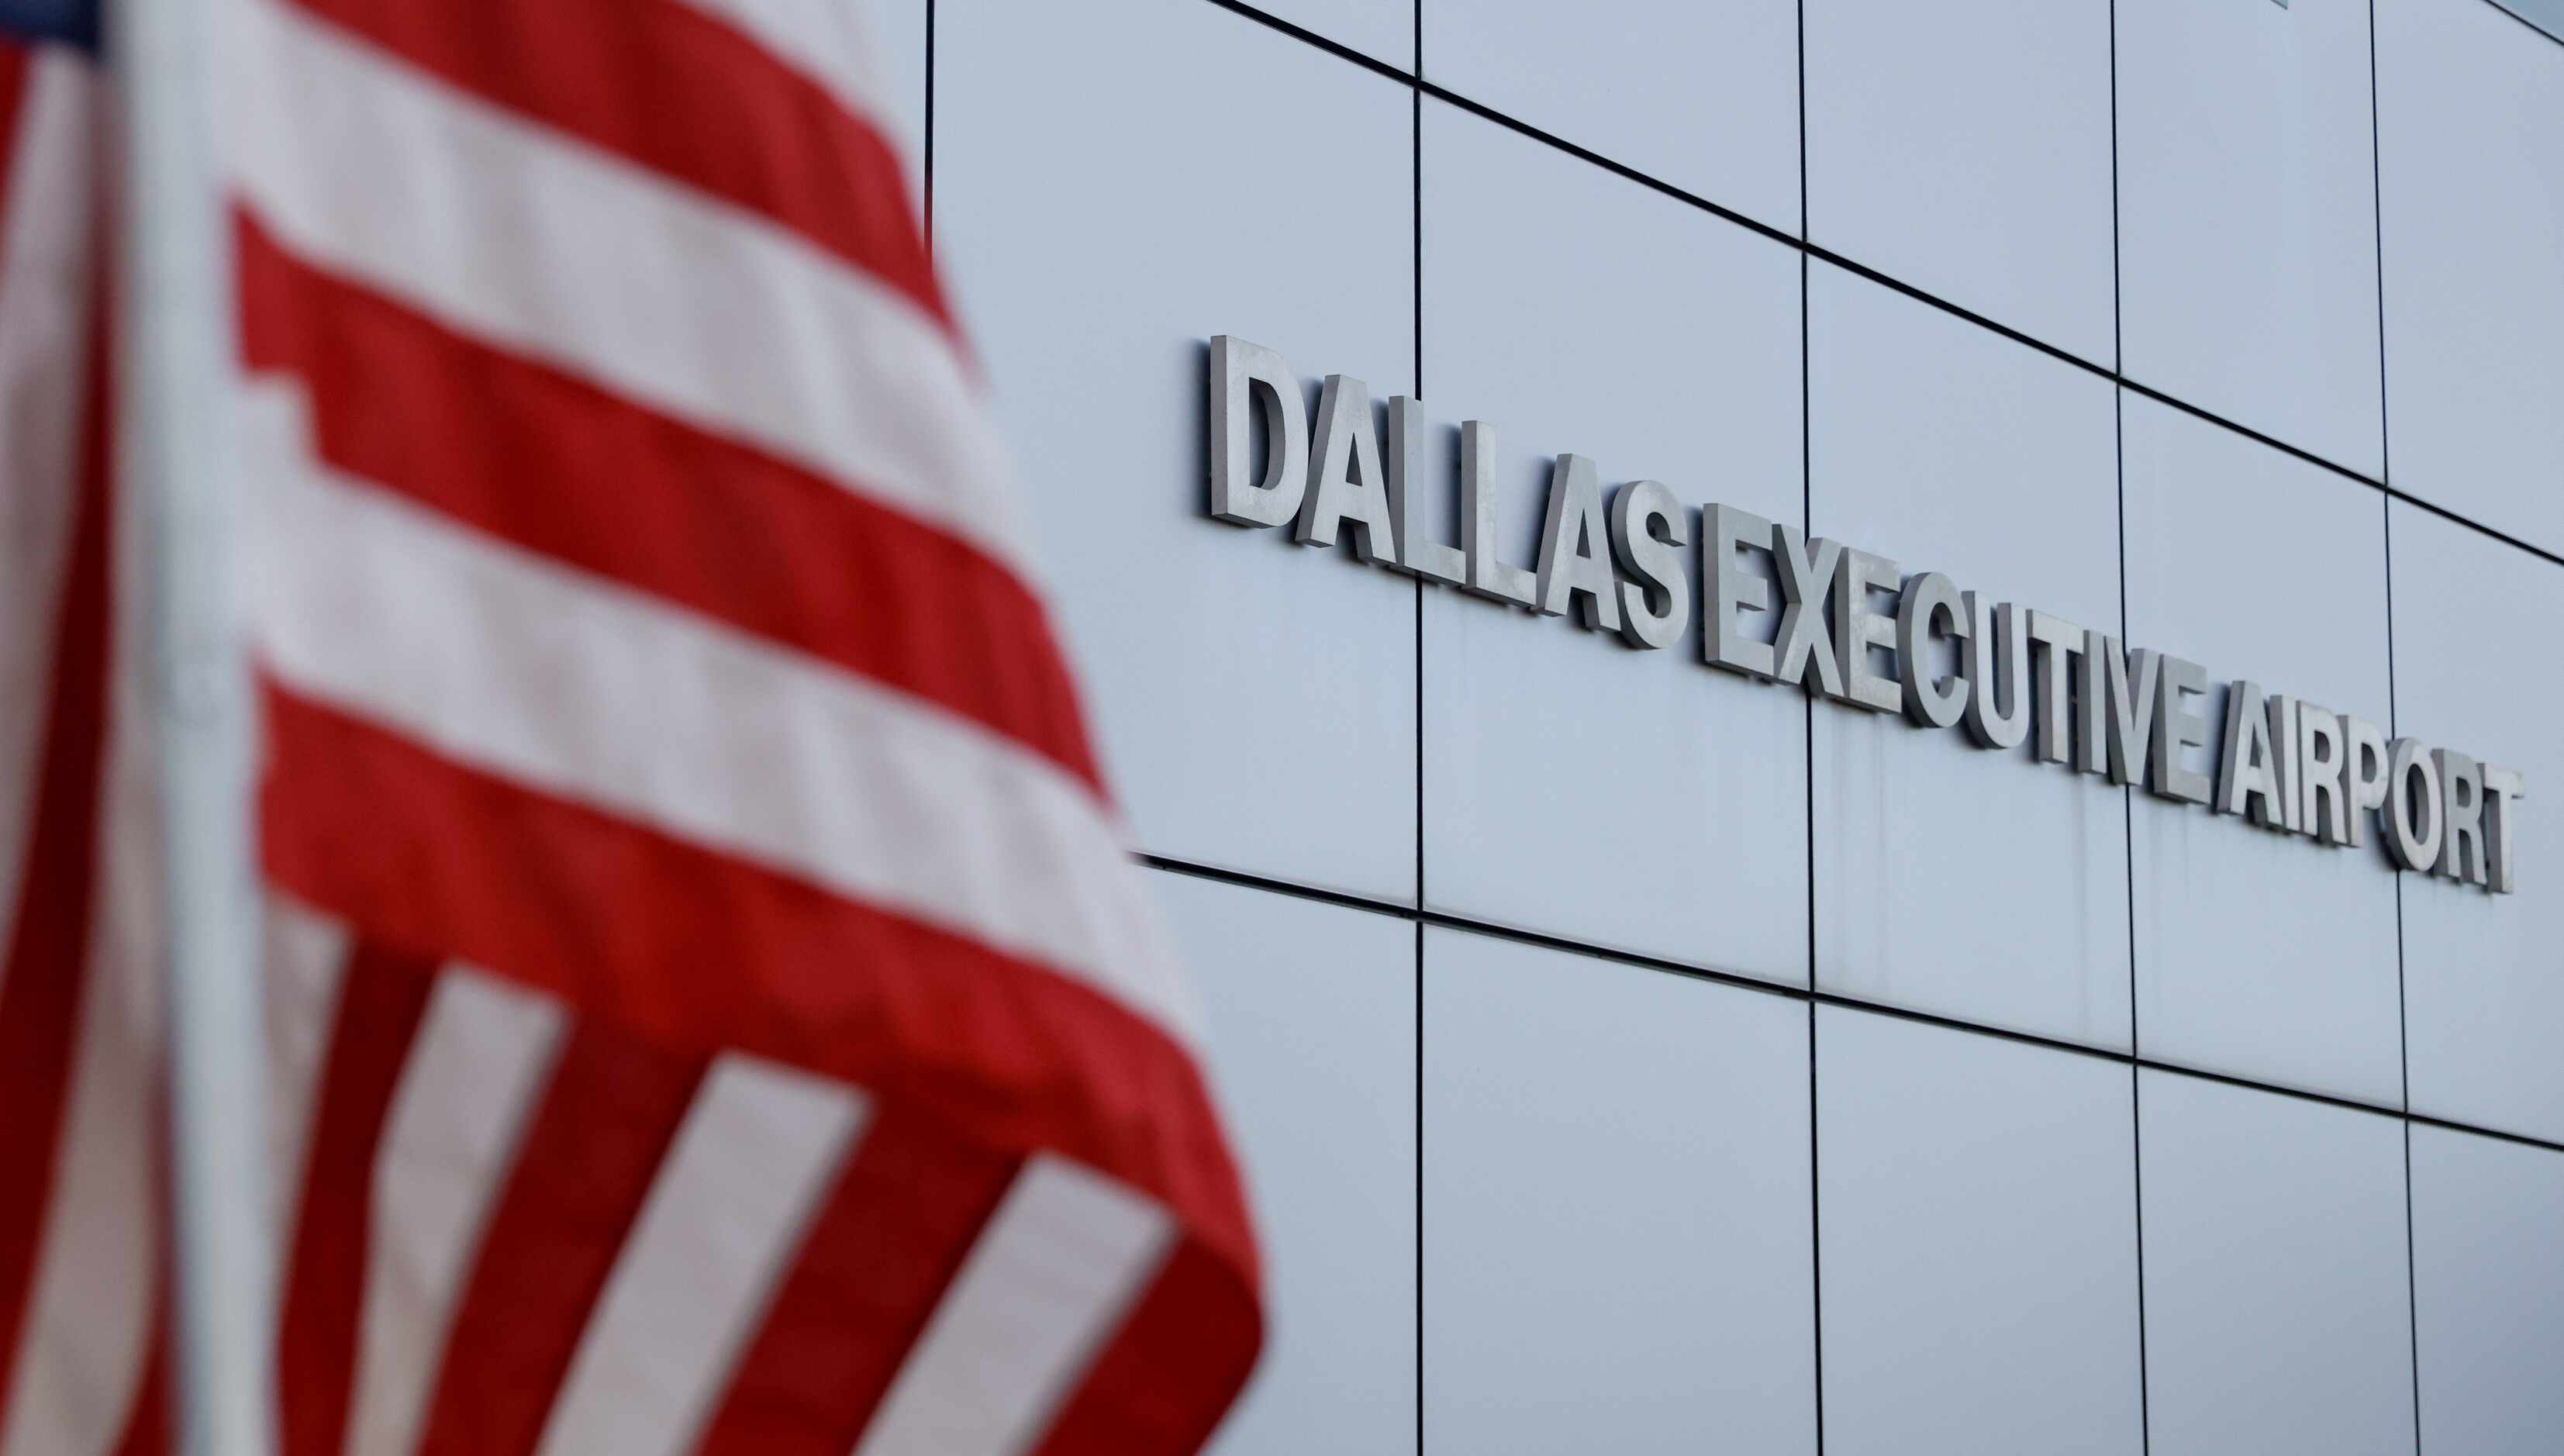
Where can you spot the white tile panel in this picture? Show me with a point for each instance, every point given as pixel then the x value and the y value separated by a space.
pixel 2277 1316
pixel 1617 1244
pixel 2471 179
pixel 1702 96
pixel 2483 975
pixel 1977 884
pixel 1978 1211
pixel 1383 30
pixel 1964 148
pixel 2248 231
pixel 1255 700
pixel 1638 800
pixel 2259 954
pixel 2487 1293
pixel 1312 1058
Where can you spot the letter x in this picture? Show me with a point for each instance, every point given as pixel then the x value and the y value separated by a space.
pixel 1806 569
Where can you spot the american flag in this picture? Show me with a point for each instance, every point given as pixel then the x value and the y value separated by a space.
pixel 710 1005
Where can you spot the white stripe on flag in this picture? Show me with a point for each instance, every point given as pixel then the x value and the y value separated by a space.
pixel 46 220
pixel 554 250
pixel 304 952
pixel 482 1058
pixel 97 1269
pixel 724 1217
pixel 1049 1280
pixel 501 659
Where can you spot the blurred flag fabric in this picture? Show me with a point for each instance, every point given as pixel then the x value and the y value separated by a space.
pixel 709 1002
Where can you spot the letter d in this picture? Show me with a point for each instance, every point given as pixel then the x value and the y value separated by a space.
pixel 1242 376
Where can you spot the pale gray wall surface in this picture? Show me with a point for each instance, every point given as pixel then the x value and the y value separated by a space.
pixel 1382 31
pixel 900 28
pixel 1312 1011
pixel 1615 1248
pixel 2247 194
pixel 2546 15
pixel 1977 1203
pixel 2277 1304
pixel 1964 147
pixel 1702 96
pixel 2471 198
pixel 2487 1289
pixel 1602 1036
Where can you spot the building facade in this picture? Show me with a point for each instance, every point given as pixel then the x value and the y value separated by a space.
pixel 1629 1055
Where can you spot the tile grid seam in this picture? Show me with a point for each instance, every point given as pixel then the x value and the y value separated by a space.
pixel 2127 796
pixel 1822 254
pixel 1739 980
pixel 1808 744
pixel 1415 236
pixel 2386 542
pixel 2551 37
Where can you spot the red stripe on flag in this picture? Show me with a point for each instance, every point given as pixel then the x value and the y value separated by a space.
pixel 1170 1370
pixel 50 939
pixel 147 1419
pixel 689 949
pixel 16 59
pixel 146 1424
pixel 147 1432
pixel 381 1001
pixel 544 459
pixel 868 1276
pixel 683 95
pixel 582 1172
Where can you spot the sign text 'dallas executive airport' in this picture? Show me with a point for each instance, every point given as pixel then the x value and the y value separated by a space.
pixel 1845 624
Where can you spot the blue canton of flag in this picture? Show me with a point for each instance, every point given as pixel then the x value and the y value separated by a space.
pixel 73 21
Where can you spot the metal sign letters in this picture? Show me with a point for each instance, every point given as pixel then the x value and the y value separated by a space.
pixel 1847 625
